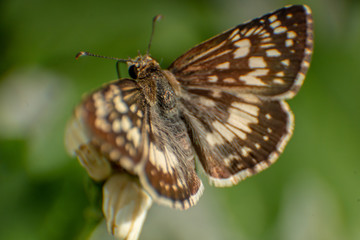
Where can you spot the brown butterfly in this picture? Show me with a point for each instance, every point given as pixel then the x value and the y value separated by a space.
pixel 222 102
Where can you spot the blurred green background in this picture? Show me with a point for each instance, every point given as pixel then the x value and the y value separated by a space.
pixel 312 192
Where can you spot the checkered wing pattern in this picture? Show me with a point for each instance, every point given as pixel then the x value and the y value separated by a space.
pixel 236 136
pixel 121 126
pixel 223 100
pixel 234 89
pixel 268 56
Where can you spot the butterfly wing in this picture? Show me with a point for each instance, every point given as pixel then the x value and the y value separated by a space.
pixel 235 136
pixel 115 127
pixel 268 56
pixel 233 90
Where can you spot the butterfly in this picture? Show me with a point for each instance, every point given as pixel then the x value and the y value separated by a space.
pixel 222 104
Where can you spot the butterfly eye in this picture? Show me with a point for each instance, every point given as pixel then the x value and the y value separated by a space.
pixel 133 72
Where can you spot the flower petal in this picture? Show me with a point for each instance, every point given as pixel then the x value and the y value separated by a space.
pixel 125 205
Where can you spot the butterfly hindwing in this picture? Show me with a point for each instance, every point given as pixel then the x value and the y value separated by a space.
pixel 169 168
pixel 236 136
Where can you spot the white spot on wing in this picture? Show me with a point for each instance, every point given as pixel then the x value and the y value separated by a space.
pixel 133 108
pixel 261 34
pixel 207 102
pixel 101 110
pixel 245 151
pixel 243 43
pixel 243 48
pixel 164 161
pixel 289 42
pixel 239 133
pixel 248 33
pixel 259 72
pixel 139 113
pixel 272 18
pixel 275 24
pixel 251 80
pixel 116 126
pixel 115 89
pixel 229 80
pixel 241 115
pixel 102 124
pixel 291 34
pixel 101 106
pixel 248 108
pixel 234 33
pixel 258 30
pixel 125 123
pixel 225 65
pixel 228 160
pixel 134 136
pixel 220 127
pixel 120 105
pixel 264 40
pixel 212 78
pixel 267 45
pixel 280 74
pixel 214 139
pixel 280 30
pixel 285 62
pixel 278 81
pixel 241 52
pixel 273 53
pixel 235 38
pixel 257 62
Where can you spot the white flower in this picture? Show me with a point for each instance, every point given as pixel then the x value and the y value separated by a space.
pixel 125 205
pixel 125 202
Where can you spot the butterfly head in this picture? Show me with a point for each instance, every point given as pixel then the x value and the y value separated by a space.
pixel 142 66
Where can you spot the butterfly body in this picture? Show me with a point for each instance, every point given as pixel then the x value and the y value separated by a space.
pixel 222 103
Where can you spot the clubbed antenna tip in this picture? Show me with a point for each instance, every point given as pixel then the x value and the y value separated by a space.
pixel 80 54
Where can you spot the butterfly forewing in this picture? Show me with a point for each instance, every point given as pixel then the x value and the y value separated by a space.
pixel 268 56
pixel 115 121
pixel 121 125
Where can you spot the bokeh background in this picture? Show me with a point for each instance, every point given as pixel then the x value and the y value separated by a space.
pixel 312 192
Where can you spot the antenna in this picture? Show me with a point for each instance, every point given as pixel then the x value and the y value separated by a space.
pixel 81 54
pixel 118 60
pixel 155 19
